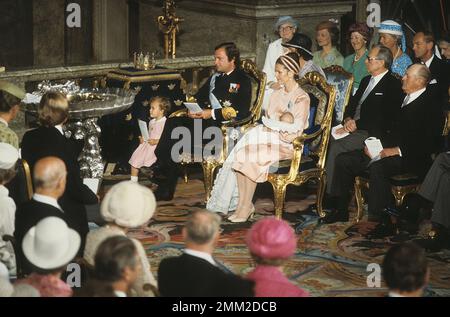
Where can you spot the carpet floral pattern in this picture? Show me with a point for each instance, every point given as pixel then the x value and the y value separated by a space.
pixel 331 260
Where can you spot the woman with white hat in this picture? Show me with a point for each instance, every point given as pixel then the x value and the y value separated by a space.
pixel 49 247
pixel 8 159
pixel 285 27
pixel 126 205
pixel 392 36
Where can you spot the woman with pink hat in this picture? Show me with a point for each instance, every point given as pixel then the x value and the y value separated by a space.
pixel 271 243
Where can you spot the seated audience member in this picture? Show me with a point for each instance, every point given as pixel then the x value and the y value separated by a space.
pixel 424 48
pixel 10 99
pixel 286 27
pixel 370 112
pixel 117 267
pixel 196 273
pixel 436 189
pixel 406 149
pixel 49 177
pixel 8 161
pixel 444 46
pixel 49 247
pixel 271 243
pixel 126 205
pixel 301 44
pixel 327 37
pixel 9 290
pixel 95 288
pixel 359 35
pixel 49 140
pixel 392 36
pixel 405 270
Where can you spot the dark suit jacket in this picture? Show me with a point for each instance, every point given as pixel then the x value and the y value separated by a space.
pixel 27 216
pixel 440 71
pixel 235 88
pixel 189 276
pixel 418 127
pixel 43 142
pixel 380 108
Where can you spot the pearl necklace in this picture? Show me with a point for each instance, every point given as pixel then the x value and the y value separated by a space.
pixel 357 59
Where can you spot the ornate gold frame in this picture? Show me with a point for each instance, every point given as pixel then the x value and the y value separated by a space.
pixel 350 77
pixel 294 177
pixel 399 193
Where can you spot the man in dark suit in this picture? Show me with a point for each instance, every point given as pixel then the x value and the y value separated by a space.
pixel 424 46
pixel 196 273
pixel 49 140
pixel 370 112
pixel 228 90
pixel 49 177
pixel 407 148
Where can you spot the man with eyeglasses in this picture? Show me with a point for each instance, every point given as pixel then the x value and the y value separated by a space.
pixel 286 27
pixel 370 113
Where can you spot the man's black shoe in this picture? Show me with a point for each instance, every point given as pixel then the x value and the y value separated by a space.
pixel 334 216
pixel 163 195
pixel 382 231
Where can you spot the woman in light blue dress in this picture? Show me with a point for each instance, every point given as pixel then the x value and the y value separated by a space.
pixel 392 36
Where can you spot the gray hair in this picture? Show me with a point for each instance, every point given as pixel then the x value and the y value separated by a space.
pixel 202 226
pixel 384 54
pixel 422 72
pixel 48 173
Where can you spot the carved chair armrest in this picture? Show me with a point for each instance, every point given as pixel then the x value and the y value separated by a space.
pixel 179 113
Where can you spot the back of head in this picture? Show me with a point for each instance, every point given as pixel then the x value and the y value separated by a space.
pixel 232 52
pixel 53 109
pixel 271 239
pixel 113 256
pixel 202 227
pixel 48 172
pixel 10 96
pixel 405 268
pixel 128 204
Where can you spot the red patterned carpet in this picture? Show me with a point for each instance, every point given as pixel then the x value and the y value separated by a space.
pixel 331 260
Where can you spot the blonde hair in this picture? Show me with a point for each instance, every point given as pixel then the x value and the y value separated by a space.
pixel 53 109
pixel 163 102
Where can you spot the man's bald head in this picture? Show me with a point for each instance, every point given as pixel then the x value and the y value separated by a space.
pixel 202 227
pixel 48 173
pixel 417 77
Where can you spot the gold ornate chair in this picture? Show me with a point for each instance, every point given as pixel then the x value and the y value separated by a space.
pixel 343 82
pixel 301 168
pixel 210 164
pixel 401 185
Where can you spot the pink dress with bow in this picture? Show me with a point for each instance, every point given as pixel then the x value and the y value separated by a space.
pixel 145 153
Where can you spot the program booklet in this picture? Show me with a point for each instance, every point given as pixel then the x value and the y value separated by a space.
pixel 193 107
pixel 144 130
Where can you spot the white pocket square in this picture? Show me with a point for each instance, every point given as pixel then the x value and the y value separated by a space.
pixel 378 94
pixel 433 81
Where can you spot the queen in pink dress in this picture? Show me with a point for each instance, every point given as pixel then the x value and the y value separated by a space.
pixel 261 147
pixel 144 155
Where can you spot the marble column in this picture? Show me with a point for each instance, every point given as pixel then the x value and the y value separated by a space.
pixel 110 30
pixel 48 32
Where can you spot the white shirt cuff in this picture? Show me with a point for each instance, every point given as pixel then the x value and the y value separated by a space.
pixel 400 152
pixel 213 114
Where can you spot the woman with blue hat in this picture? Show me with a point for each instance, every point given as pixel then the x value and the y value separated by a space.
pixel 392 36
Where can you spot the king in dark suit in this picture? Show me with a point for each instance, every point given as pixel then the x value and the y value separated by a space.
pixel 227 94
pixel 407 149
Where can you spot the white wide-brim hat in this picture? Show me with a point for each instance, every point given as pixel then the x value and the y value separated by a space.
pixel 50 244
pixel 128 204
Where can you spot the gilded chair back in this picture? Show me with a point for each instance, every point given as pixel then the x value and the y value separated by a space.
pixel 301 169
pixel 21 186
pixel 343 82
pixel 320 91
pixel 258 80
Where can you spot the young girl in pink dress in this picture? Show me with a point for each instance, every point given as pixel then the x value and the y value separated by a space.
pixel 145 153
